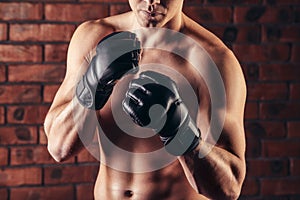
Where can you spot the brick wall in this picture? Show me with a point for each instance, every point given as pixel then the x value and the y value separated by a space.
pixel 264 34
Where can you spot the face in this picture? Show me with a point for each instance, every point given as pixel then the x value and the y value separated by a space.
pixel 155 13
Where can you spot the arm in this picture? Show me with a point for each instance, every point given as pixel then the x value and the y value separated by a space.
pixel 68 123
pixel 60 127
pixel 220 174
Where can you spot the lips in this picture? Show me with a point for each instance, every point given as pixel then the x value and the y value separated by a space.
pixel 151 15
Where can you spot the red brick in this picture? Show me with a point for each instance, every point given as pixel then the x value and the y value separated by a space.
pixel 86 156
pixel 262 14
pixel 295 167
pixel 27 114
pixel 262 53
pixel 279 72
pixel 118 8
pixel 20 53
pixel 30 155
pixel 45 192
pixel 24 94
pixel 250 187
pixel 282 186
pixel 209 14
pixel 41 32
pixel 75 12
pixel 42 136
pixel 295 53
pixel 3 31
pixel 265 129
pixel 236 33
pixel 3 193
pixel 20 176
pixel 251 110
pixel 56 52
pixel 294 129
pixel 280 110
pixel 70 174
pixel 249 33
pixel 36 73
pixel 49 92
pixel 4 156
pixel 18 135
pixel 267 168
pixel 277 33
pixel 295 91
pixel 20 11
pixel 51 1
pixel 105 1
pixel 281 148
pixel 251 71
pixel 267 91
pixel 193 2
pixel 85 192
pixel 2 115
pixel 2 73
pixel 281 2
pixel 253 149
pixel 226 2
pixel 294 197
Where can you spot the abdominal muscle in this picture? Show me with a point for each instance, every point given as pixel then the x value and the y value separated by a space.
pixel 126 176
pixel 166 183
pixel 123 174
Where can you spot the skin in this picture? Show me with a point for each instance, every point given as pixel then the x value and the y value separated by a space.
pixel 218 175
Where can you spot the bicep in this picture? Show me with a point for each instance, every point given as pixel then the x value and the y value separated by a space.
pixel 77 63
pixel 232 137
pixel 66 91
pixel 223 126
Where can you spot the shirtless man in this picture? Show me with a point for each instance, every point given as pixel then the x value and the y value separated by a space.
pixel 207 166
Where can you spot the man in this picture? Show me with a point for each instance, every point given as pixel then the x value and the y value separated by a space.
pixel 204 166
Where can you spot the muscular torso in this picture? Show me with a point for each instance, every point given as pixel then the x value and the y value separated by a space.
pixel 133 161
pixel 134 164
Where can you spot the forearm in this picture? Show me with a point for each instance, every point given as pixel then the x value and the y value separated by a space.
pixel 219 174
pixel 66 126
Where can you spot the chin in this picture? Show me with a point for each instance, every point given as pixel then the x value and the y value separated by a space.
pixel 150 24
pixel 145 21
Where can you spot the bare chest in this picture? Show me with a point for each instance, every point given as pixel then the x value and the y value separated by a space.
pixel 119 129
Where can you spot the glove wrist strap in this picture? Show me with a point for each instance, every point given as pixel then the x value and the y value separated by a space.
pixel 92 98
pixel 185 140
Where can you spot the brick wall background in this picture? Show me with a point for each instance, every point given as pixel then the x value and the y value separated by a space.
pixel 34 35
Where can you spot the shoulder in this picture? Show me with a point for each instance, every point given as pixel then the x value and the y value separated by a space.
pixel 88 34
pixel 94 30
pixel 85 39
pixel 207 40
pixel 214 46
pixel 225 60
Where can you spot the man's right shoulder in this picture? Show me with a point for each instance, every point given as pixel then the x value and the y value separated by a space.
pixel 85 39
pixel 95 30
pixel 91 32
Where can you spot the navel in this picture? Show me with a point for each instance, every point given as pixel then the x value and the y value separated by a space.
pixel 128 193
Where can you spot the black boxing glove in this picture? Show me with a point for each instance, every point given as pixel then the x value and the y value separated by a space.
pixel 171 119
pixel 116 54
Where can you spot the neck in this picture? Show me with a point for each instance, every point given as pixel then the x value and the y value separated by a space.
pixel 176 24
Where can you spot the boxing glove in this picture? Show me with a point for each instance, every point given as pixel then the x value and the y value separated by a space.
pixel 116 54
pixel 153 101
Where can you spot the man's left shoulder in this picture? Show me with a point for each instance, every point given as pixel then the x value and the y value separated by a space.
pixel 214 46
